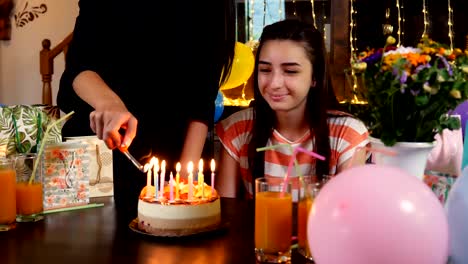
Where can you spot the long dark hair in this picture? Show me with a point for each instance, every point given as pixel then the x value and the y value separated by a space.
pixel 320 98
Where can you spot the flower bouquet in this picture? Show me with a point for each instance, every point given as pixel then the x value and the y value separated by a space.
pixel 410 91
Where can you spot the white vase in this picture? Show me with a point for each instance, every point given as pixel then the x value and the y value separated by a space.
pixel 409 156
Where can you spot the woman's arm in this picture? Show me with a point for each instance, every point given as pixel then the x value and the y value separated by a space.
pixel 227 180
pixel 359 158
pixel 194 142
pixel 110 113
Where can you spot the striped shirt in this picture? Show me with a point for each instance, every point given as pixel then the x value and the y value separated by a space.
pixel 235 132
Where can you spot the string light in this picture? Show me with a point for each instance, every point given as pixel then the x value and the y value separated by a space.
pixel 324 21
pixel 450 25
pixel 402 22
pixel 399 23
pixel 426 23
pixel 313 13
pixel 352 25
pixel 352 44
pixel 294 6
pixel 251 27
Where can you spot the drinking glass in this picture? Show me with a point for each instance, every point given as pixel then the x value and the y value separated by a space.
pixel 7 194
pixel 307 192
pixel 29 197
pixel 273 221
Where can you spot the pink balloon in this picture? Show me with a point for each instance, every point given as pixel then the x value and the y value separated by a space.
pixel 377 214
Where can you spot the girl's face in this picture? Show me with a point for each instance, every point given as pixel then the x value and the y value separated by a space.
pixel 284 75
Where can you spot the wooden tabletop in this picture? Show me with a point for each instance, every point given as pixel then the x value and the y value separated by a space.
pixel 96 235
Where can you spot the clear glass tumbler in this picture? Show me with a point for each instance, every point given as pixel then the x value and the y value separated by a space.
pixel 7 194
pixel 273 221
pixel 29 191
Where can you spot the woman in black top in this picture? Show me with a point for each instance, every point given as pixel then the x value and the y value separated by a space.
pixel 146 77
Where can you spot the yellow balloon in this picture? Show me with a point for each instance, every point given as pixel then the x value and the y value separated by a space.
pixel 242 66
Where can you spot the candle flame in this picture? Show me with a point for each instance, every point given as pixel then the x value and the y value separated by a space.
pixel 178 166
pixel 212 165
pixel 155 162
pixel 163 164
pixel 190 167
pixel 200 165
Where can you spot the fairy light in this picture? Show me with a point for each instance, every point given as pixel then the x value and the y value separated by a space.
pixel 251 26
pixel 426 23
pixel 313 13
pixel 352 25
pixel 450 25
pixel 324 20
pixel 399 23
pixel 352 45
pixel 294 6
pixel 403 20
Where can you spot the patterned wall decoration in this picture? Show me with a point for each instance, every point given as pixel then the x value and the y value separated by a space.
pixel 26 12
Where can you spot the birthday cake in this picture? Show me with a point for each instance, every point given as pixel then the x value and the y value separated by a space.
pixel 177 214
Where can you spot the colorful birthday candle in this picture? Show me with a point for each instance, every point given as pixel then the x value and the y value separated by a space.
pixel 162 177
pixel 190 180
pixel 171 187
pixel 177 177
pixel 212 166
pixel 201 180
pixel 155 163
pixel 147 168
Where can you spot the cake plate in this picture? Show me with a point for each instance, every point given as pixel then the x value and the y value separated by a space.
pixel 178 233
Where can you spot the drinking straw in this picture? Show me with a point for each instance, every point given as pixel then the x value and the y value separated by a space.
pixel 310 153
pixel 286 176
pixel 372 150
pixel 44 139
pixel 72 208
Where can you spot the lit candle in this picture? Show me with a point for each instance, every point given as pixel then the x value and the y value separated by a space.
pixel 147 168
pixel 155 163
pixel 163 177
pixel 201 180
pixel 177 177
pixel 212 165
pixel 190 180
pixel 171 187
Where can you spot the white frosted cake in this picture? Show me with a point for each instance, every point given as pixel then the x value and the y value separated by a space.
pixel 166 217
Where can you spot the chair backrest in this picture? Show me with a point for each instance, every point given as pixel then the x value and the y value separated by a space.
pixel 46 57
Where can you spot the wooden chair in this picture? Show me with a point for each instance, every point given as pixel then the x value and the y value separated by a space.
pixel 46 57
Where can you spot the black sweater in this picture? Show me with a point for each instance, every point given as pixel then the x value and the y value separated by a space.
pixel 162 59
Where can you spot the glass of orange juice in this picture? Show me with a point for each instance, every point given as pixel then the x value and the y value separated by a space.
pixel 29 201
pixel 7 194
pixel 307 195
pixel 273 221
pixel 309 189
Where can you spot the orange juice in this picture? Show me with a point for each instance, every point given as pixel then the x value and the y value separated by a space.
pixel 7 196
pixel 273 221
pixel 28 198
pixel 303 209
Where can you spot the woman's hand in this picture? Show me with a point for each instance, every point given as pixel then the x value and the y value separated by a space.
pixel 107 125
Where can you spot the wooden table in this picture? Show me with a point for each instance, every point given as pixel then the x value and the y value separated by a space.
pixel 96 235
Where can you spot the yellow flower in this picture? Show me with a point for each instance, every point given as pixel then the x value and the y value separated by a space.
pixel 455 94
pixel 391 40
pixel 360 66
pixel 465 68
